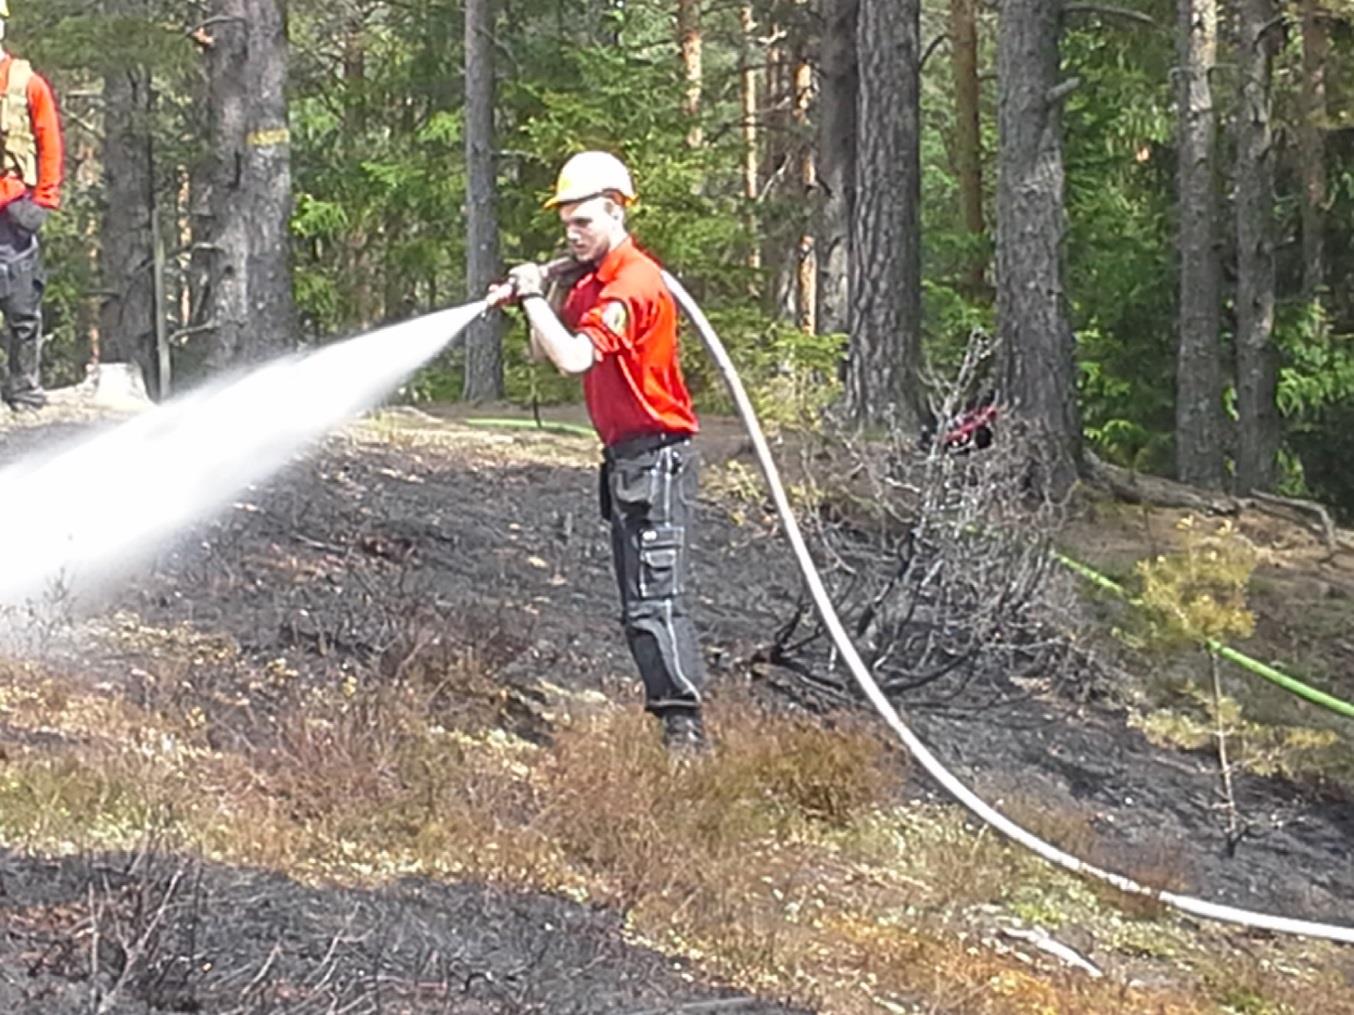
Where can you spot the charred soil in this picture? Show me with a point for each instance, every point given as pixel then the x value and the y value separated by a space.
pixel 408 539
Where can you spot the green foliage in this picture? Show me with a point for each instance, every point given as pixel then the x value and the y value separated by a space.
pixel 1118 129
pixel 791 377
pixel 378 171
pixel 1315 391
pixel 1267 750
pixel 1318 366
pixel 1199 594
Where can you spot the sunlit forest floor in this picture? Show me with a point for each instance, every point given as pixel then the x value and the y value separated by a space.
pixel 370 742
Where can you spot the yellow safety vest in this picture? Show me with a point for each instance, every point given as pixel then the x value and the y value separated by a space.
pixel 20 147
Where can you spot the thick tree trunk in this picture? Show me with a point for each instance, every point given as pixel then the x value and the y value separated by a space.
pixel 968 157
pixel 689 44
pixel 1198 405
pixel 885 273
pixel 838 77
pixel 1038 349
pixel 250 303
pixel 226 300
pixel 1312 147
pixel 126 251
pixel 1257 359
pixel 484 340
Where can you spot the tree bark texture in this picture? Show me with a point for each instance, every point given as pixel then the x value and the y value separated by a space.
pixel 807 287
pixel 836 126
pixel 968 158
pixel 780 237
pixel 126 251
pixel 1038 349
pixel 1312 146
pixel 747 89
pixel 356 240
pixel 484 339
pixel 1257 359
pixel 689 44
pixel 250 300
pixel 1198 405
pixel 882 367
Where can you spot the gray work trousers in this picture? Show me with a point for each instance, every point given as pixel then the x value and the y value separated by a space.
pixel 22 280
pixel 648 494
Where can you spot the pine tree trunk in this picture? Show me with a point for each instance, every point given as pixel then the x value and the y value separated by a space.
pixel 1312 147
pixel 747 89
pixel 1038 349
pixel 883 361
pixel 127 316
pixel 780 235
pixel 968 155
pixel 484 340
pixel 807 287
pixel 268 171
pixel 689 44
pixel 1257 359
pixel 250 299
pixel 357 259
pixel 838 77
pixel 1198 408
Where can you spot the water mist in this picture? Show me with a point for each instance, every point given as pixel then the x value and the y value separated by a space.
pixel 76 516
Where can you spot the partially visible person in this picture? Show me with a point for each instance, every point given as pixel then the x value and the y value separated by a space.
pixel 617 328
pixel 31 165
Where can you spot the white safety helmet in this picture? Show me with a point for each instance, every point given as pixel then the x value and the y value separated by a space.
pixel 588 174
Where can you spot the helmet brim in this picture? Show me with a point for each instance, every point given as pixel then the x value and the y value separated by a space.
pixel 621 198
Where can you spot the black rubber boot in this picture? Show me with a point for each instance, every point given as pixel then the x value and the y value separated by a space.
pixel 684 732
pixel 32 400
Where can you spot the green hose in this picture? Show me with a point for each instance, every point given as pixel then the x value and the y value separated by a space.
pixel 564 429
pixel 1260 669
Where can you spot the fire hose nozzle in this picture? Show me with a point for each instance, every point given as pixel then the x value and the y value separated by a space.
pixel 504 292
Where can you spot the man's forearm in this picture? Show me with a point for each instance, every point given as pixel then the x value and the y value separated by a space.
pixel 571 353
pixel 534 346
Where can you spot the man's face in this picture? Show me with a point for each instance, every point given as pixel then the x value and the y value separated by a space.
pixel 589 227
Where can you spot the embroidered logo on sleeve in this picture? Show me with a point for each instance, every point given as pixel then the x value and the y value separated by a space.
pixel 616 318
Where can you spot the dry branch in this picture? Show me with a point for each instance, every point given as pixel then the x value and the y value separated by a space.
pixel 1140 488
pixel 1267 502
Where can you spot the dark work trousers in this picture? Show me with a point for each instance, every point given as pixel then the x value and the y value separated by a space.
pixel 648 494
pixel 22 280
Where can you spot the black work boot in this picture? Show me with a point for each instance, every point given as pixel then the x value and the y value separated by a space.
pixel 684 732
pixel 32 400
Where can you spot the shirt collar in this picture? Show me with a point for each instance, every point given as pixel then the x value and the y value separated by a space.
pixel 615 257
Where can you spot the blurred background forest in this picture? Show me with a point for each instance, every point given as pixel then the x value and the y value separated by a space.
pixel 751 126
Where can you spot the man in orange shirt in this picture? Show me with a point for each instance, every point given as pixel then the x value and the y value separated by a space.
pixel 30 188
pixel 617 328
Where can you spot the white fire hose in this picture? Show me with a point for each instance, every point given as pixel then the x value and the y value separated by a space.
pixel 979 808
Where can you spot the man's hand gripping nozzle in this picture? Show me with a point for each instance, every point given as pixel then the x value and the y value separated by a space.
pixel 527 280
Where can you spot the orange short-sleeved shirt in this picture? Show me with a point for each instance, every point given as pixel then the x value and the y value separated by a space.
pixel 636 387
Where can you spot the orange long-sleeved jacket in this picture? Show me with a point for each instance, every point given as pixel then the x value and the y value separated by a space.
pixel 47 134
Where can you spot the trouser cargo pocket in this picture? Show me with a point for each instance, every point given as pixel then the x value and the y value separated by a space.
pixel 660 562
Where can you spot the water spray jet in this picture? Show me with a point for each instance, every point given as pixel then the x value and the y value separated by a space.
pixel 87 510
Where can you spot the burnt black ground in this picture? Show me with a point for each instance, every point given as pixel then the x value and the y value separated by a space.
pixel 243 941
pixel 332 562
